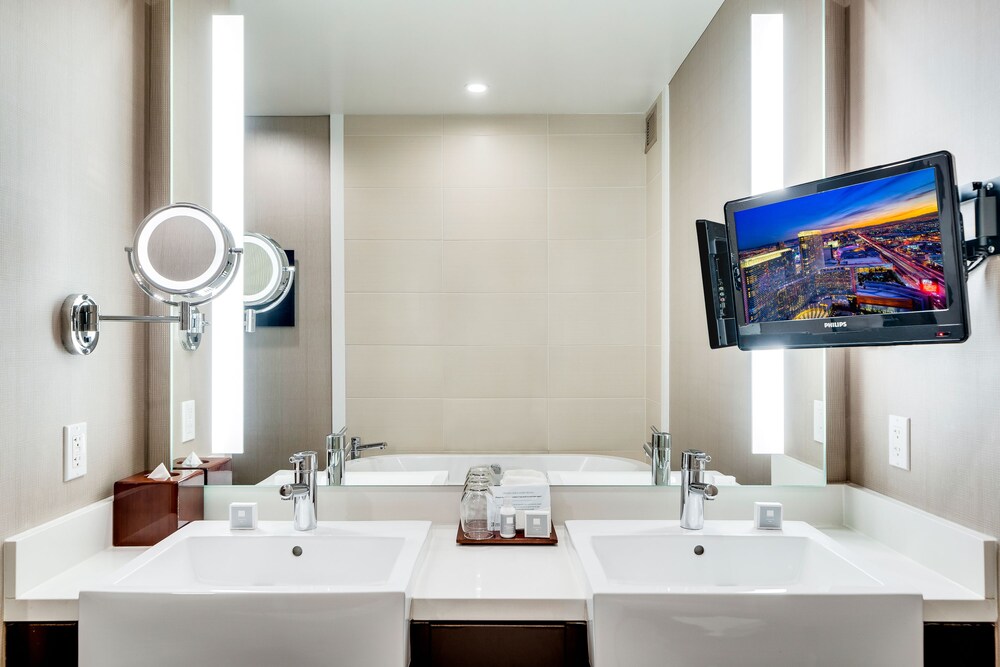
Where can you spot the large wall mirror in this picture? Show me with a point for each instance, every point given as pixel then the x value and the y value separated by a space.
pixel 519 287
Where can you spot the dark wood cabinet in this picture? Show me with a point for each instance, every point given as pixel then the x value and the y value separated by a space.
pixel 498 644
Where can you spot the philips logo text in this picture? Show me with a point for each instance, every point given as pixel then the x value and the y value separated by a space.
pixel 834 325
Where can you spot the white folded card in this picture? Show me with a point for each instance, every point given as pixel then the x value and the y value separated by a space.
pixel 160 473
pixel 522 497
pixel 192 461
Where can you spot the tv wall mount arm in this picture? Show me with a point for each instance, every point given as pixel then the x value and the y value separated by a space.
pixel 987 241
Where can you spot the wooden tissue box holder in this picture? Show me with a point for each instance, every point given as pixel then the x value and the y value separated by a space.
pixel 146 510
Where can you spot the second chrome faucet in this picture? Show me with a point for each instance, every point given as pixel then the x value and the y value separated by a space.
pixel 694 489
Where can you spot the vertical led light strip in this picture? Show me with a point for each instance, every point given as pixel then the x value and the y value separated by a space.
pixel 767 172
pixel 226 330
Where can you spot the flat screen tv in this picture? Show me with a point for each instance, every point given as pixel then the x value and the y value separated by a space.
pixel 872 257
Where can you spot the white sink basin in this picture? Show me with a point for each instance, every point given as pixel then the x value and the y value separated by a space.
pixel 269 596
pixel 731 595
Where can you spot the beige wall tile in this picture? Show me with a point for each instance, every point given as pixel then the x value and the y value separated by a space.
pixel 392 125
pixel 406 424
pixel 654 159
pixel 596 266
pixel 596 424
pixel 654 363
pixel 392 213
pixel 596 319
pixel 482 124
pixel 495 213
pixel 494 161
pixel 494 319
pixel 495 425
pixel 394 319
pixel 392 266
pixel 598 371
pixel 654 206
pixel 380 162
pixel 600 160
pixel 654 290
pixel 495 371
pixel 596 213
pixel 495 266
pixel 624 123
pixel 654 419
pixel 394 371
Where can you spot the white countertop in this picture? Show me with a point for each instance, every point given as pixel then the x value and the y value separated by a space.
pixel 497 583
pixel 952 567
pixel 516 583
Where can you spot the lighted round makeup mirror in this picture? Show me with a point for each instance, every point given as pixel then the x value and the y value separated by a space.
pixel 267 276
pixel 181 255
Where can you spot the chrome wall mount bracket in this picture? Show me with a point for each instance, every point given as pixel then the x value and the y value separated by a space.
pixel 81 316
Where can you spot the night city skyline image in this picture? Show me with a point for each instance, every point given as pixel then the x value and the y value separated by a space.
pixel 868 248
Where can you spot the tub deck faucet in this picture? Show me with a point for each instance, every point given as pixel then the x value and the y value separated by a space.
pixel 335 455
pixel 694 490
pixel 658 451
pixel 356 447
pixel 302 491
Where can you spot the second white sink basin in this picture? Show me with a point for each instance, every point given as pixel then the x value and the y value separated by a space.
pixel 339 594
pixel 728 594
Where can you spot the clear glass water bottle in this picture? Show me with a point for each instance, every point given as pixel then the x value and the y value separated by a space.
pixel 475 508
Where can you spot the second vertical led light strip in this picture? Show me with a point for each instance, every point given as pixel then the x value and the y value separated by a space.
pixel 767 172
pixel 226 331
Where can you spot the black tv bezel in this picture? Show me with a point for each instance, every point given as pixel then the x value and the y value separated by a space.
pixel 932 326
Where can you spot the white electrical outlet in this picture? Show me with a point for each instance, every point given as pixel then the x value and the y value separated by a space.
pixel 819 421
pixel 899 442
pixel 74 451
pixel 187 421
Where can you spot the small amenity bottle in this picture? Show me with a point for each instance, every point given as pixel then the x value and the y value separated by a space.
pixel 507 516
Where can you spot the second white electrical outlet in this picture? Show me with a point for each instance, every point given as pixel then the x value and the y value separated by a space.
pixel 187 421
pixel 899 442
pixel 74 451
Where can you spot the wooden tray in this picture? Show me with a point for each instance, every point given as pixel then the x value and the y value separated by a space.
pixel 519 539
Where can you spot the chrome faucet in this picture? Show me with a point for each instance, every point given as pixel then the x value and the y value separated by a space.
pixel 658 451
pixel 302 490
pixel 335 452
pixel 694 490
pixel 356 447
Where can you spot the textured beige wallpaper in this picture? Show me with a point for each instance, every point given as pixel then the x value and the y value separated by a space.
pixel 71 194
pixel 909 98
pixel 287 370
pixel 496 290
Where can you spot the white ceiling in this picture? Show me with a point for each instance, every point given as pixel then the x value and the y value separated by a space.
pixel 415 56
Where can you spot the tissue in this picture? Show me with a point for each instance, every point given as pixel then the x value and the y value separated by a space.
pixel 192 461
pixel 159 474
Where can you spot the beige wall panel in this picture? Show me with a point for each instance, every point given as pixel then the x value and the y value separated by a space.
pixel 596 371
pixel 487 371
pixel 392 213
pixel 610 425
pixel 392 266
pixel 596 213
pixel 494 213
pixel 494 266
pixel 511 161
pixel 395 371
pixel 492 125
pixel 392 126
pixel 394 319
pixel 605 160
pixel 495 425
pixel 596 266
pixel 392 161
pixel 409 425
pixel 597 124
pixel 493 319
pixel 596 319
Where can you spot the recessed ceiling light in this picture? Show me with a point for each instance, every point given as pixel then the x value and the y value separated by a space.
pixel 476 88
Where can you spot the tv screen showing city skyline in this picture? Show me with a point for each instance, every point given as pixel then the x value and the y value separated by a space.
pixel 864 249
